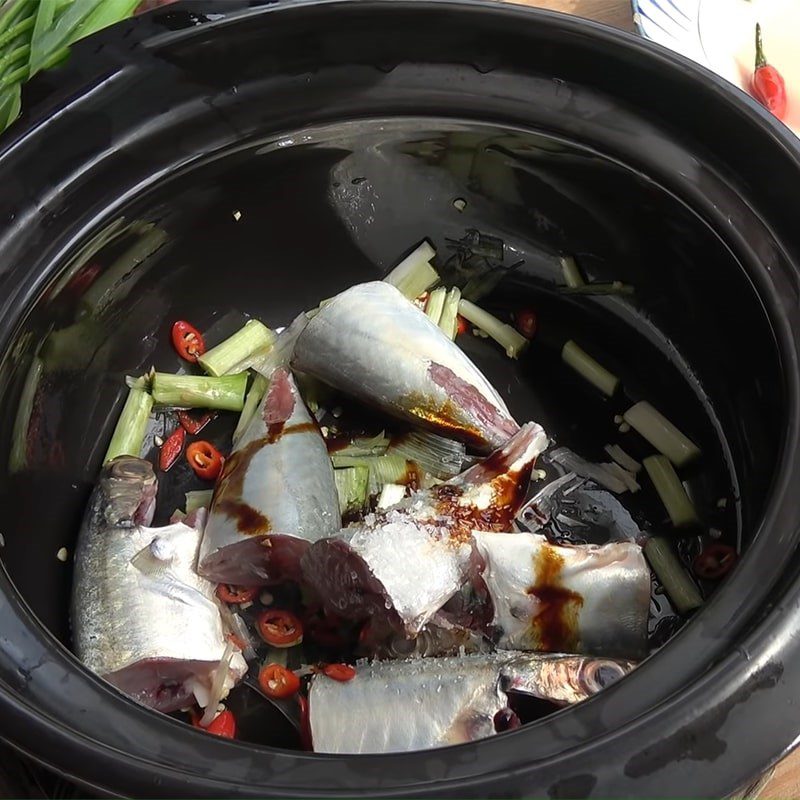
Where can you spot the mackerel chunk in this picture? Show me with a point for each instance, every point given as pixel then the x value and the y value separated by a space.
pixel 404 563
pixel 421 703
pixel 591 599
pixel 276 494
pixel 372 343
pixel 142 618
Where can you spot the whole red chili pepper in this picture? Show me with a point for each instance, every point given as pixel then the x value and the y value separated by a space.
pixel 768 85
pixel 171 449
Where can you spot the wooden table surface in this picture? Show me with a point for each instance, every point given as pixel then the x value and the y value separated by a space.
pixel 785 783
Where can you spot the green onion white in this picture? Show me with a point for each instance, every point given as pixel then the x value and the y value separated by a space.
pixel 622 458
pixel 571 272
pixel 662 434
pixel 448 321
pixel 435 304
pixel 435 454
pixel 382 469
pixel 670 489
pixel 511 340
pixel 238 352
pixel 198 499
pixel 414 275
pixel 254 396
pixel 589 369
pixel 128 436
pixel 365 446
pixel 673 575
pixel 225 393
pixel 352 486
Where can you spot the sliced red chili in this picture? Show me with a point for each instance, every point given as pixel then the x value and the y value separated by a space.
pixel 224 724
pixel 192 424
pixel 714 561
pixel 525 320
pixel 463 325
pixel 171 449
pixel 277 681
pixel 229 593
pixel 205 460
pixel 339 672
pixel 187 340
pixel 279 628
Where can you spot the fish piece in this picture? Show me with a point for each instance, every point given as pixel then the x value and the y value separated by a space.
pixel 276 494
pixel 590 599
pixel 421 703
pixel 373 344
pixel 406 561
pixel 575 511
pixel 142 618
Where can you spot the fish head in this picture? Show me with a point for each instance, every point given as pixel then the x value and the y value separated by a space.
pixel 127 493
pixel 561 679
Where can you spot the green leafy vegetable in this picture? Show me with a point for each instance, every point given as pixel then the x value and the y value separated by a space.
pixel 36 35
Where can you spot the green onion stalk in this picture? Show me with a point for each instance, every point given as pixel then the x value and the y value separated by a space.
pixel 225 393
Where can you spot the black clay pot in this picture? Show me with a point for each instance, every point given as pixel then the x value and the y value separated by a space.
pixel 223 156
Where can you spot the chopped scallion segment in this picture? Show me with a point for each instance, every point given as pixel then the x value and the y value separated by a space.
pixel 571 272
pixel 351 485
pixel 435 454
pixel 238 352
pixel 589 369
pixel 198 499
pixel 507 337
pixel 661 433
pixel 225 393
pixel 622 458
pixel 448 321
pixel 670 489
pixel 128 436
pixel 365 446
pixel 281 352
pixel 254 397
pixel 382 469
pixel 414 275
pixel 673 575
pixel 435 304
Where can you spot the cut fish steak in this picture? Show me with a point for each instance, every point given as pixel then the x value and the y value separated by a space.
pixel 421 703
pixel 141 616
pixel 578 598
pixel 373 344
pixel 406 561
pixel 275 496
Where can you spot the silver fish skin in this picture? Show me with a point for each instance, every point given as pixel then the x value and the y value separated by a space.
pixel 407 561
pixel 422 703
pixel 276 494
pixel 573 507
pixel 372 343
pixel 141 616
pixel 591 599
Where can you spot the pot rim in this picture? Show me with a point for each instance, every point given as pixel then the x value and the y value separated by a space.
pixel 757 660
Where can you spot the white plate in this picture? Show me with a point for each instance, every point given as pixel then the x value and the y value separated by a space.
pixel 720 35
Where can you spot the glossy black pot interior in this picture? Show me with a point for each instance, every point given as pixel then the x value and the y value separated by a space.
pixel 204 166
